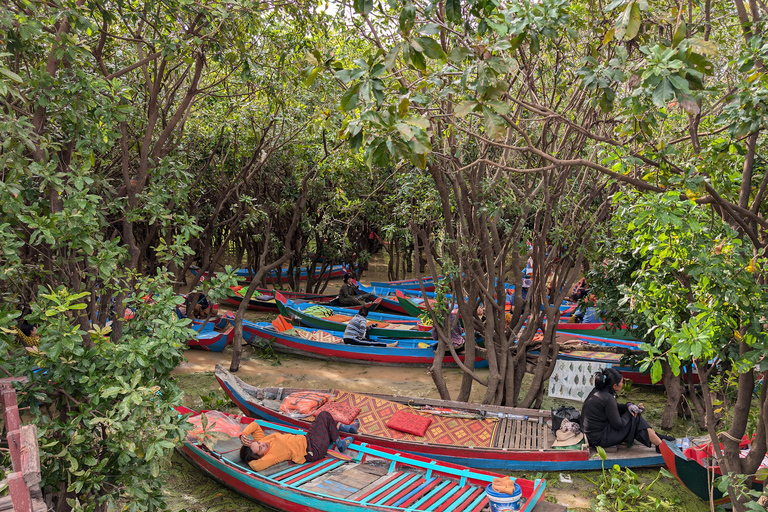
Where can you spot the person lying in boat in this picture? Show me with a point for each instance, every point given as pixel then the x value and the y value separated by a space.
pixel 606 422
pixel 357 329
pixel 263 451
pixel 349 294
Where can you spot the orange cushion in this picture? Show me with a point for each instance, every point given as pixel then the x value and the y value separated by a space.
pixel 343 413
pixel 303 402
pixel 409 423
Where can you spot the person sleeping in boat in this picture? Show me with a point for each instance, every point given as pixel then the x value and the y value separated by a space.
pixel 606 422
pixel 357 329
pixel 263 451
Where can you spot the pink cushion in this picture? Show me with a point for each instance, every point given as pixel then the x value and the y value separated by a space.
pixel 409 423
pixel 342 413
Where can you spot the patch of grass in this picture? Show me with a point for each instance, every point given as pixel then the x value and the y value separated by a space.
pixel 667 488
pixel 189 489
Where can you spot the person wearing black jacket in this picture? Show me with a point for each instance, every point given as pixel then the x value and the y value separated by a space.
pixel 606 422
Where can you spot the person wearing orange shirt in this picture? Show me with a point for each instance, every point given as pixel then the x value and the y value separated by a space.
pixel 265 451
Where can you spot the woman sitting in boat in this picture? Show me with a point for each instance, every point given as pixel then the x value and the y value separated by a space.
pixel 265 451
pixel 349 295
pixel 606 422
pixel 357 330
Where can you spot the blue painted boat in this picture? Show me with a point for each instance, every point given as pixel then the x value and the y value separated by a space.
pixel 478 436
pixel 336 319
pixel 329 345
pixel 213 335
pixel 364 477
pixel 281 276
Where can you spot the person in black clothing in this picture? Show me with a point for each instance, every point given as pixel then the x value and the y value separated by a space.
pixel 606 422
pixel 349 294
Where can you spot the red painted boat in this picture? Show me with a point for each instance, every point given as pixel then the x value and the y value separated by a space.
pixel 478 436
pixel 364 477
pixel 693 468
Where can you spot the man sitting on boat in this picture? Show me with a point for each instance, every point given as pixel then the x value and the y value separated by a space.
pixel 357 330
pixel 349 295
pixel 606 422
pixel 265 451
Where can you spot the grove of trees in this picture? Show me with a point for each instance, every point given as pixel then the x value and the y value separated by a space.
pixel 137 139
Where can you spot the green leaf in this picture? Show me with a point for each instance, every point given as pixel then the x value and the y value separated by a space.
pixel 349 98
pixel 633 27
pixel 10 74
pixel 663 92
pixel 407 17
pixel 311 77
pixel 363 6
pixel 679 34
pixel 656 371
pixel 453 11
pixel 431 47
pixel 601 452
pixel 464 108
pixel 417 59
pixel 458 54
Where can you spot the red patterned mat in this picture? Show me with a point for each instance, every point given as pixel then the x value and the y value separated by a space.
pixel 374 414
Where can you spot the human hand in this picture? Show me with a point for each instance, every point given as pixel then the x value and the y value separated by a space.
pixel 245 441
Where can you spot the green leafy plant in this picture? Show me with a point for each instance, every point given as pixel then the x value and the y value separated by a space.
pixel 621 490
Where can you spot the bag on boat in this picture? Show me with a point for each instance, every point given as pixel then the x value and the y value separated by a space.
pixel 342 413
pixel 564 412
pixel 303 403
pixel 212 426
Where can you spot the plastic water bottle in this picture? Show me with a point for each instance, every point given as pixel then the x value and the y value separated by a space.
pixel 685 443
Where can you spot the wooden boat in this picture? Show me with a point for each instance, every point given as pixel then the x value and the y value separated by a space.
pixel 209 338
pixel 388 326
pixel 329 345
pixel 276 277
pixel 364 477
pixel 408 284
pixel 479 436
pixel 265 300
pixel 693 469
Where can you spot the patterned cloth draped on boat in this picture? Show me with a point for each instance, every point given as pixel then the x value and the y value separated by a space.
pixel 445 429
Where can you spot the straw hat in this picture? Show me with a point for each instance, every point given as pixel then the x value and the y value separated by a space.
pixel 567 438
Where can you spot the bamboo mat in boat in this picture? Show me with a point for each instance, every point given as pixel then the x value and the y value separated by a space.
pixel 375 412
pixel 599 356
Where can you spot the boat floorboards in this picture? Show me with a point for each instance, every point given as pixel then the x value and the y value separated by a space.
pixel 523 435
pixel 345 481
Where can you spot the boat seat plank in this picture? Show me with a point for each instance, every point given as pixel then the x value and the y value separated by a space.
pixel 311 475
pixel 434 494
pixel 385 489
pixel 507 433
pixel 404 491
pixel 459 503
pixel 277 468
pixel 377 486
pixel 437 498
pixel 294 469
pixel 480 503
pixel 515 436
pixel 396 491
pixel 440 503
pixel 417 493
pixel 373 485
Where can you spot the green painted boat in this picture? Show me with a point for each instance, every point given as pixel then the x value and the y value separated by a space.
pixel 288 308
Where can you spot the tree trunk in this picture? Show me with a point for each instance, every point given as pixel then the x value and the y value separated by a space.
pixel 674 396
